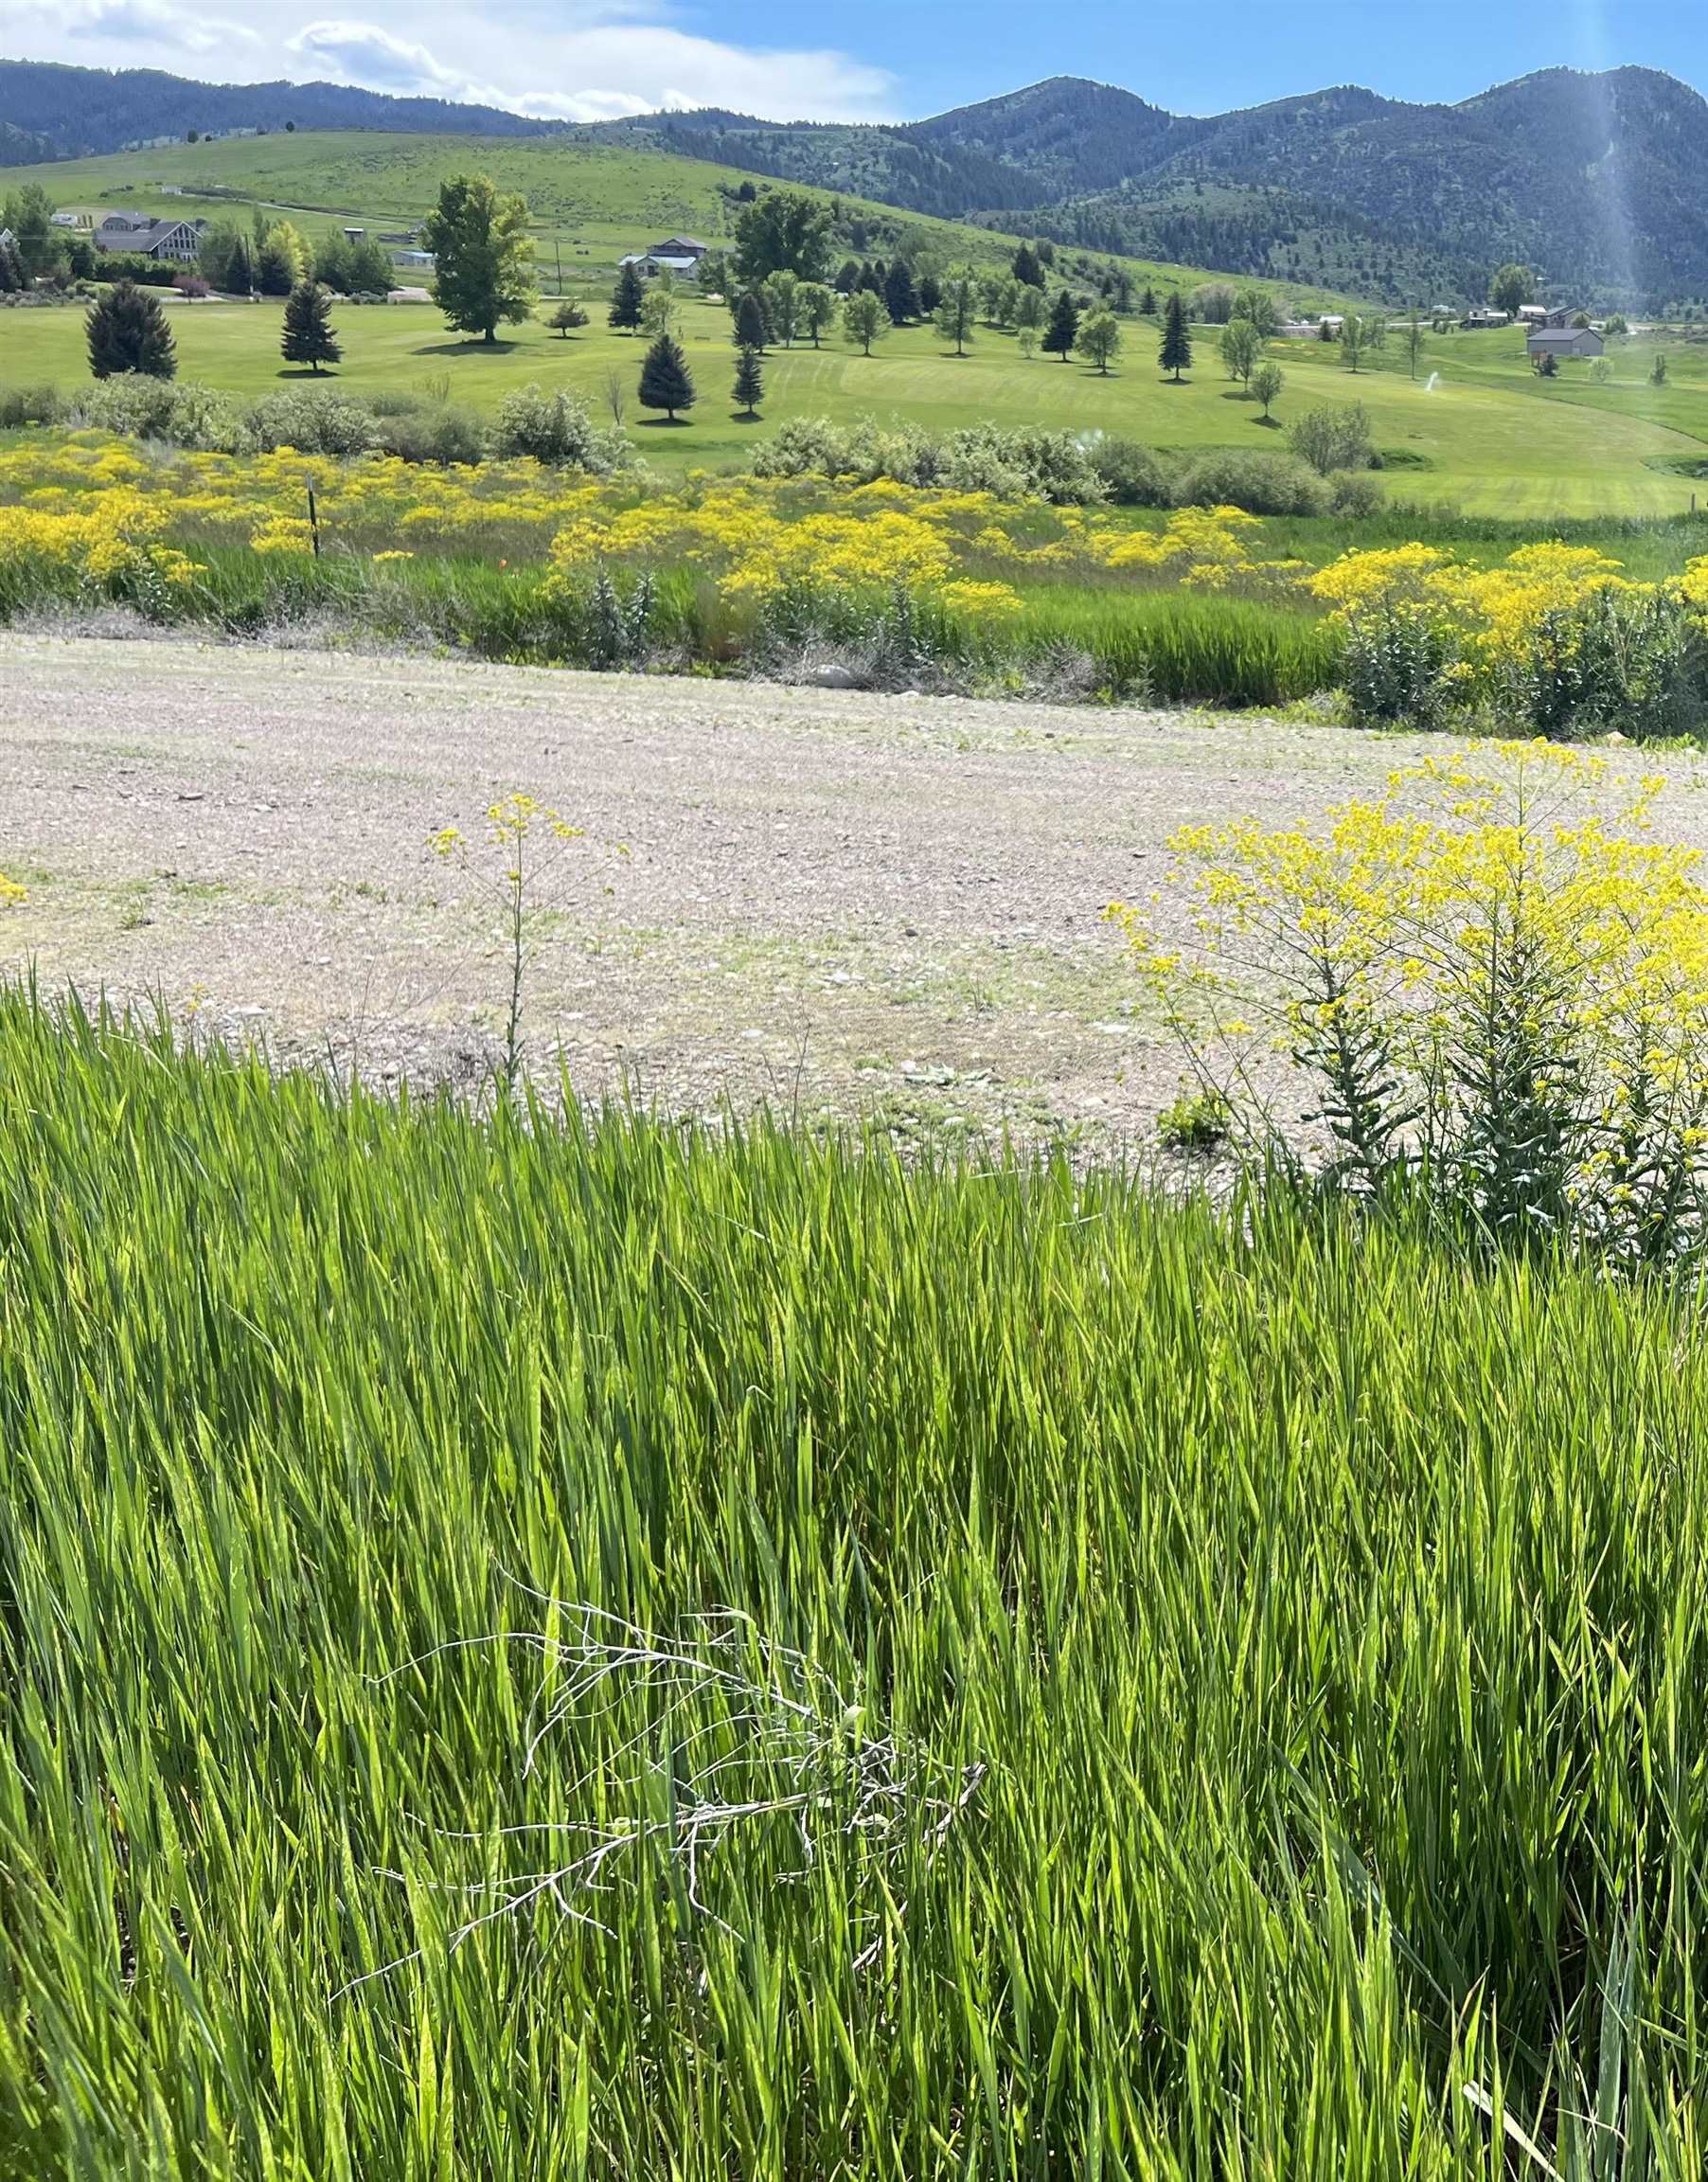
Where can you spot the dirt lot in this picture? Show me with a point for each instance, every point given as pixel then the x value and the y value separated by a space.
pixel 865 904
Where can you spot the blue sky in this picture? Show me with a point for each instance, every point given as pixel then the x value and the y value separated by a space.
pixel 859 59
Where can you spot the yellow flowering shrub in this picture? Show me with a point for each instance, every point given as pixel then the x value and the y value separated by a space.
pixel 10 892
pixel 1492 978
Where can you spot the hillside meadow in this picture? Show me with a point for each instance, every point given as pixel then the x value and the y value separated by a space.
pixel 1489 436
pixel 590 201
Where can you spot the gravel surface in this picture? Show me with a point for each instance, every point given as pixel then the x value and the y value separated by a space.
pixel 854 903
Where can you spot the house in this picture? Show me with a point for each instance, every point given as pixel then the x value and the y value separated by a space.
pixel 1485 316
pixel 177 240
pixel 414 260
pixel 679 255
pixel 1562 341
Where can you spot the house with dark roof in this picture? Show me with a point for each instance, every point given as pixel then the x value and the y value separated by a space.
pixel 178 239
pixel 1565 341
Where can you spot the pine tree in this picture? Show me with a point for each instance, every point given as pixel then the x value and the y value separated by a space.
pixel 1147 304
pixel 750 381
pixel 308 336
pixel 1176 352
pixel 1026 268
pixel 751 331
pixel 664 381
pixel 899 298
pixel 627 299
pixel 127 332
pixel 1063 329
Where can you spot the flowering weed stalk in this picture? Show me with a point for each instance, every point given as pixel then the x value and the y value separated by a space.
pixel 528 833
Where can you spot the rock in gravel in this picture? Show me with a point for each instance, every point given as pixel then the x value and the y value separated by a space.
pixel 835 677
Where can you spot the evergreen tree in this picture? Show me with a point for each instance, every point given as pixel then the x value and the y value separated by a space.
pixel 127 332
pixel 1147 304
pixel 13 277
pixel 1026 268
pixel 750 381
pixel 899 298
pixel 930 295
pixel 485 256
pixel 308 336
pixel 752 330
pixel 847 277
pixel 958 307
pixel 664 381
pixel 627 300
pixel 1176 351
pixel 1063 329
pixel 870 278
pixel 566 319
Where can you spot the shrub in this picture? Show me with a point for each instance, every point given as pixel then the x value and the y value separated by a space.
pixel 440 434
pixel 1198 1121
pixel 1260 484
pixel 1332 438
pixel 1492 995
pixel 1026 464
pixel 1638 662
pixel 1396 669
pixel 1133 477
pixel 1354 492
pixel 182 414
pixel 21 405
pixel 556 429
pixel 312 423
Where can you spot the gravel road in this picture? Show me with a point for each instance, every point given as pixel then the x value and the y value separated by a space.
pixel 862 903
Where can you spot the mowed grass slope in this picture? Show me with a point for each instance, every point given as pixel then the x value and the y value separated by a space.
pixel 1202 1694
pixel 1495 440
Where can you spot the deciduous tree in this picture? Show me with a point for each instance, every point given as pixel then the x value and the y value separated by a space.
pixel 485 256
pixel 783 231
pixel 1100 339
pixel 865 318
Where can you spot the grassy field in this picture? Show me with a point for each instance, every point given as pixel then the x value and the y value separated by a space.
pixel 1490 436
pixel 539 1653
pixel 591 201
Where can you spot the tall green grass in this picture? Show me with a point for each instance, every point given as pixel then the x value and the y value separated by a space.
pixel 1286 1644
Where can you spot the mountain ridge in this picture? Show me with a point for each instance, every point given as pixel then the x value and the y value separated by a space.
pixel 1588 176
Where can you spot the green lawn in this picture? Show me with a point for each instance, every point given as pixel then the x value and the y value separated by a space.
pixel 1488 435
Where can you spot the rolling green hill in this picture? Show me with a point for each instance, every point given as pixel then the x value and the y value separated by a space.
pixel 592 197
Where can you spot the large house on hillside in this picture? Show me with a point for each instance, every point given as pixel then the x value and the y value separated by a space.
pixel 1565 341
pixel 677 254
pixel 177 240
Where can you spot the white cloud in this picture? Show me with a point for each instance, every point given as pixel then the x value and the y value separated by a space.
pixel 596 70
pixel 124 24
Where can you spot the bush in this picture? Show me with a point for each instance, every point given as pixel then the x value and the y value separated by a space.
pixel 1494 998
pixel 181 414
pixel 1026 464
pixel 1333 439
pixel 313 423
pixel 1396 669
pixel 1261 484
pixel 21 405
pixel 1638 663
pixel 1353 493
pixel 1133 477
pixel 440 434
pixel 556 429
